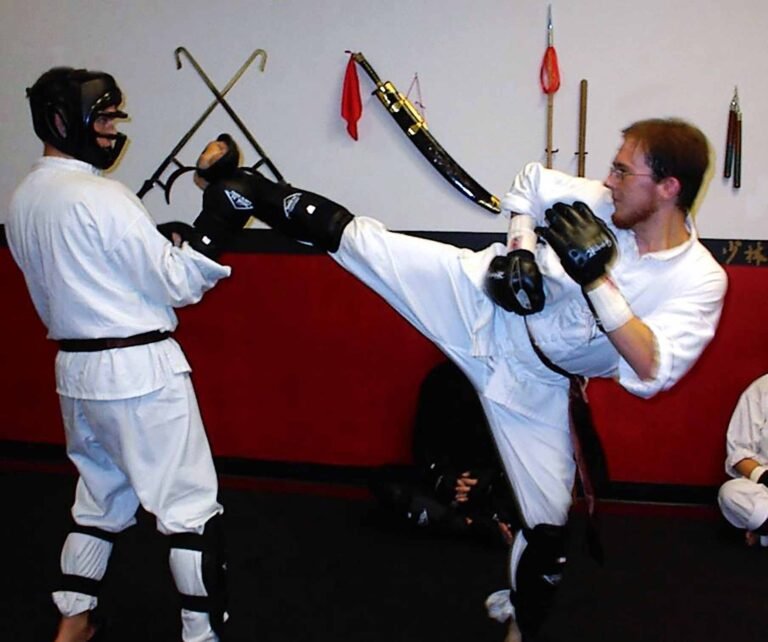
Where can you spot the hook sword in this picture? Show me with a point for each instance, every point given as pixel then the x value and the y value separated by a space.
pixel 171 158
pixel 223 102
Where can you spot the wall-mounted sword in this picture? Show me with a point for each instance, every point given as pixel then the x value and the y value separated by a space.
pixel 415 127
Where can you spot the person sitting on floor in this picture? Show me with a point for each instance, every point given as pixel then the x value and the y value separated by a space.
pixel 457 484
pixel 744 499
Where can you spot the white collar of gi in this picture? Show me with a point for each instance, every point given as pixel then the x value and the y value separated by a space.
pixel 71 164
pixel 672 252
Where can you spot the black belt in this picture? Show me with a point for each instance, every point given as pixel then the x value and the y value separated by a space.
pixel 587 448
pixel 94 345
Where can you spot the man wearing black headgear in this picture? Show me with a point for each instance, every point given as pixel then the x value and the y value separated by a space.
pixel 105 283
pixel 67 107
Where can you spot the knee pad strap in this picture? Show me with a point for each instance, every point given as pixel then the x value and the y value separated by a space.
pixel 79 584
pixel 94 531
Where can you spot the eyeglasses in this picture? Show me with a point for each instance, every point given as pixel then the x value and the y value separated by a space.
pixel 620 173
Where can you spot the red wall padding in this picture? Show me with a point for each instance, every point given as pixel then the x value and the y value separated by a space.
pixel 294 360
pixel 678 437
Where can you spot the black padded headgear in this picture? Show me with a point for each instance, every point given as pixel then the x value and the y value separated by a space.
pixel 78 97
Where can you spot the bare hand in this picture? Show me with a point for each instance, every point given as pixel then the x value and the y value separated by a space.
pixel 507 534
pixel 464 484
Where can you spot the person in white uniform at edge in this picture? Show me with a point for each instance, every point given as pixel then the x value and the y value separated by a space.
pixel 609 279
pixel 105 282
pixel 743 499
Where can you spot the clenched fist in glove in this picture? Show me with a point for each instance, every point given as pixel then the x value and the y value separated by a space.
pixel 514 282
pixel 581 240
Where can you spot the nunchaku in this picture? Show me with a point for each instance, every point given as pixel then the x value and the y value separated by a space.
pixel 733 142
pixel 415 128
pixel 156 177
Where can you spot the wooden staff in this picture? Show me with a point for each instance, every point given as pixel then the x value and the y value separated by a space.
pixel 550 127
pixel 582 153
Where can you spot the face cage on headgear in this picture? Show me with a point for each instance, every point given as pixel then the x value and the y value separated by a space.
pixel 78 97
pixel 93 153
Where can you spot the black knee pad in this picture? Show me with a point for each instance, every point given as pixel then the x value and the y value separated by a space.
pixel 538 576
pixel 78 583
pixel 214 569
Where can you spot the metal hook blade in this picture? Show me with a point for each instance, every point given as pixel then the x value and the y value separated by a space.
pixel 223 102
pixel 155 178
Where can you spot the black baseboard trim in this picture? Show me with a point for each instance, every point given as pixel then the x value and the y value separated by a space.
pixel 16 455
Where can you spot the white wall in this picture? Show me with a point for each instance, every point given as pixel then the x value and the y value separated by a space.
pixel 477 63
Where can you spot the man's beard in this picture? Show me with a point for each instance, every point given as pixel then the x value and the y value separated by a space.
pixel 627 220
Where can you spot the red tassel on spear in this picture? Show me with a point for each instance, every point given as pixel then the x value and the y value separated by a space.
pixel 549 78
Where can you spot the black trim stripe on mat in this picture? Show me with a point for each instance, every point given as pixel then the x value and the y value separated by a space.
pixel 24 456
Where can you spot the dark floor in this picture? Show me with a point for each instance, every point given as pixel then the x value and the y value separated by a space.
pixel 310 567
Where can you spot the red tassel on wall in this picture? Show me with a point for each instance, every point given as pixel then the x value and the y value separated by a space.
pixel 549 73
pixel 351 105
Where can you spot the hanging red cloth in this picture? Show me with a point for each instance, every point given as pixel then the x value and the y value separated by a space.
pixel 549 74
pixel 351 105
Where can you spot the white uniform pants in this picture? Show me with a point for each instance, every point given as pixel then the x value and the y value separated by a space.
pixel 525 403
pixel 150 450
pixel 744 503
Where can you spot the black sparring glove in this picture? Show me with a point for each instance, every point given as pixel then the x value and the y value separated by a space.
pixel 188 234
pixel 514 282
pixel 580 239
pixel 226 166
pixel 301 215
pixel 443 479
pixel 182 230
pixel 226 209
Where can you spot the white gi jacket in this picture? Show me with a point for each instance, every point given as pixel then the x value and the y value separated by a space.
pixel 114 276
pixel 96 267
pixel 744 502
pixel 747 436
